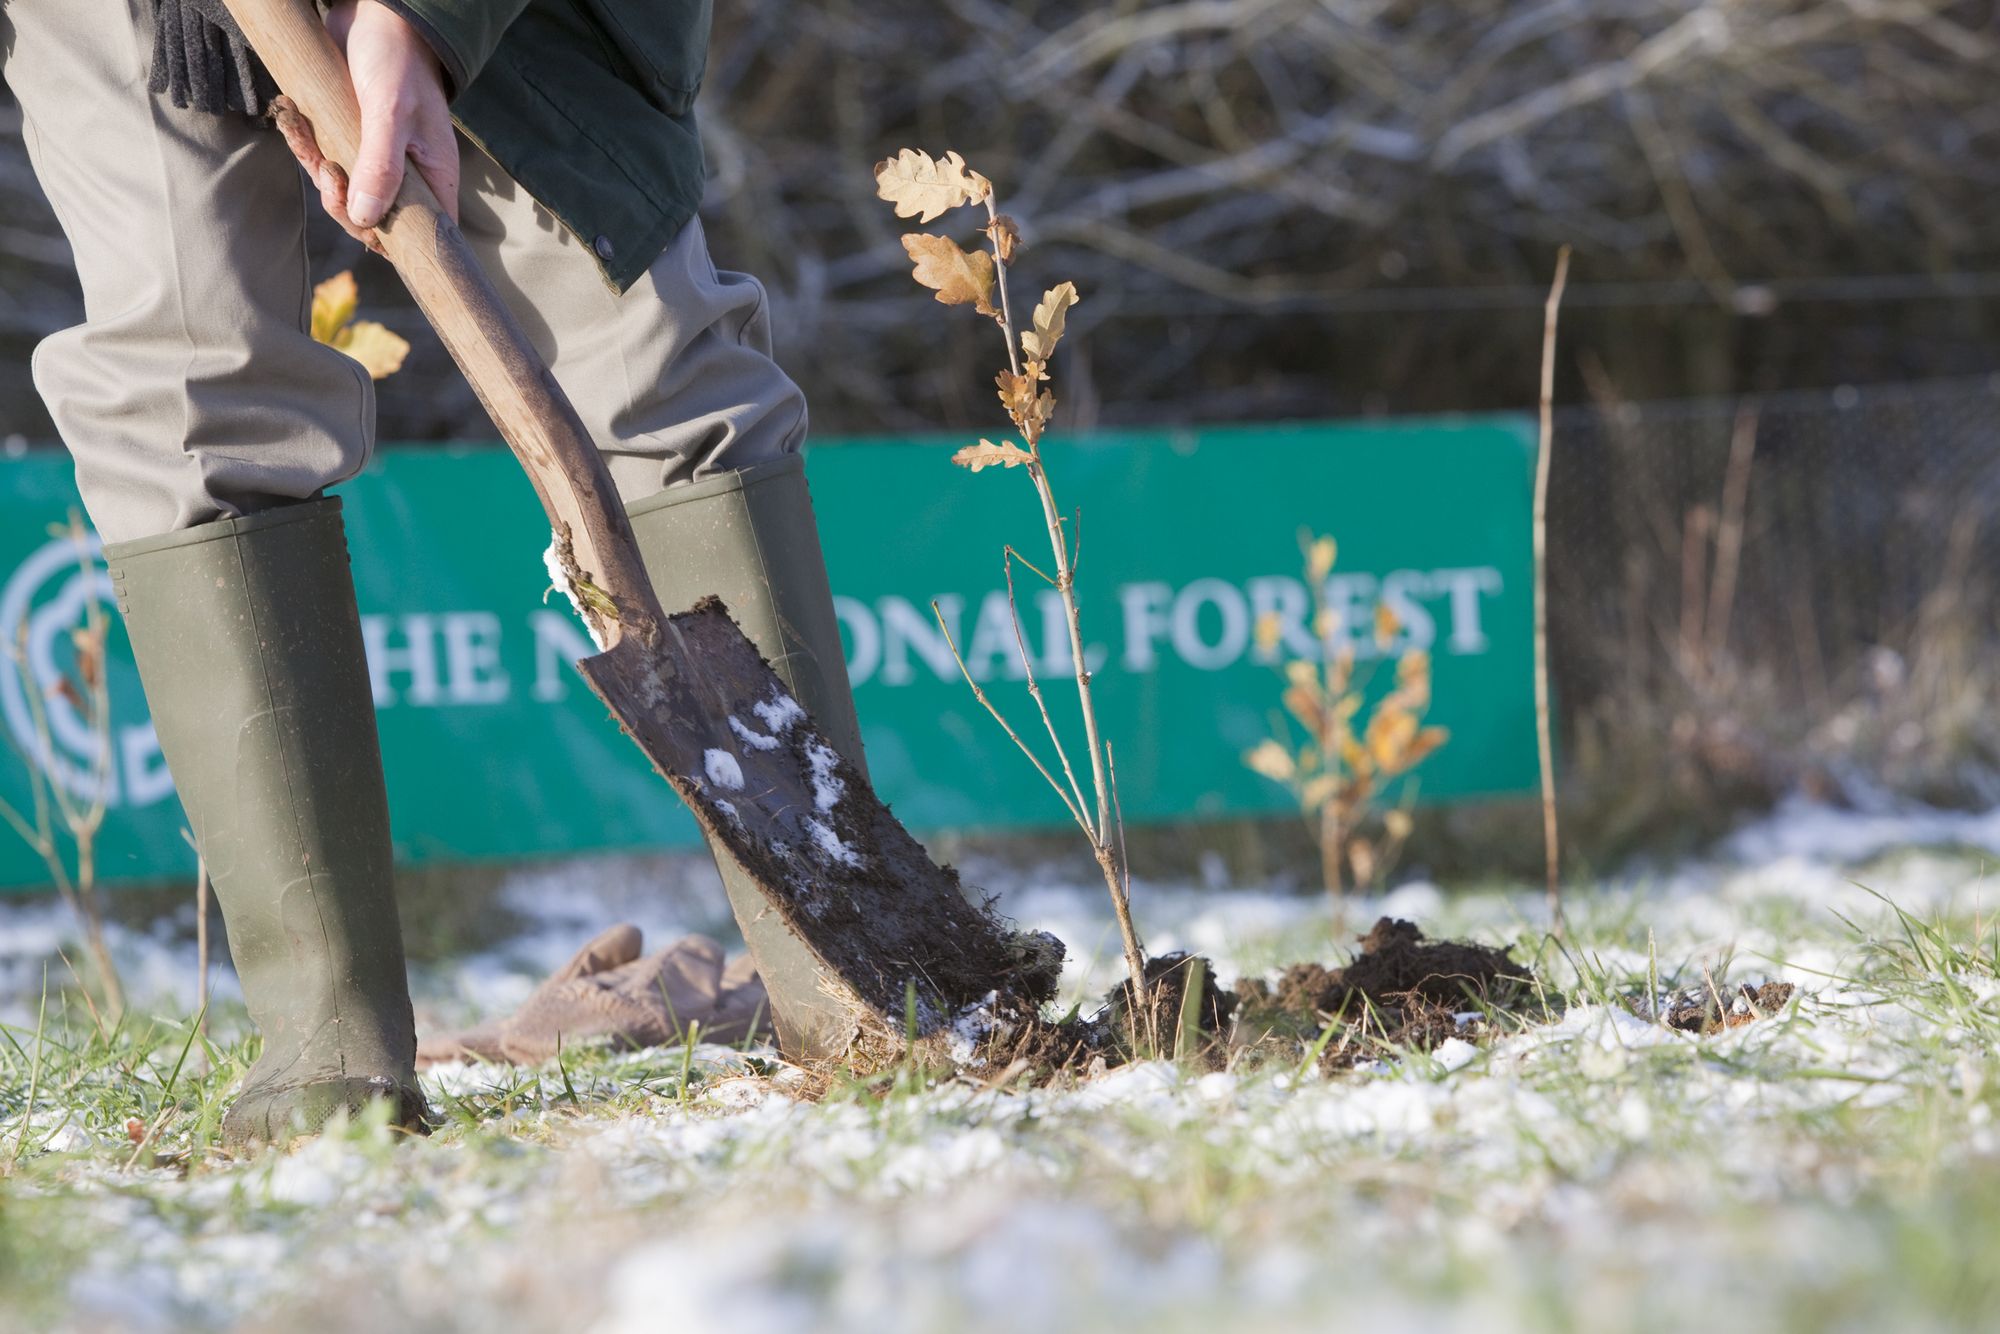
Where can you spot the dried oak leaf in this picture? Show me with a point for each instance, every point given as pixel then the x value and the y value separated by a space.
pixel 959 277
pixel 1005 234
pixel 1017 393
pixel 923 187
pixel 1039 343
pixel 986 454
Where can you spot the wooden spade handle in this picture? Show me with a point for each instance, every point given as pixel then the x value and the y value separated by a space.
pixel 510 378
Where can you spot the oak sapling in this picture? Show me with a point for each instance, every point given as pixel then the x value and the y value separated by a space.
pixel 1339 755
pixel 927 188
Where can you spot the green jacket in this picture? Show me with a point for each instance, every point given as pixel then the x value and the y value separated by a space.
pixel 589 104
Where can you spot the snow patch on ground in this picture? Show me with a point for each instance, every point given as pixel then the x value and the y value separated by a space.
pixel 1467 1189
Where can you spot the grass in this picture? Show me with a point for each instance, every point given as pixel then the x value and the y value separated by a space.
pixel 1835 1165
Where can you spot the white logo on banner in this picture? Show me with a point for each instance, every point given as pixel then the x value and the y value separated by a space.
pixel 43 600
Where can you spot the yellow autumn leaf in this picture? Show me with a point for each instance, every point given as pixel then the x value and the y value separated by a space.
pixel 379 350
pixel 1387 626
pixel 333 305
pixel 1424 744
pixel 986 454
pixel 923 187
pixel 1271 760
pixel 1051 315
pixel 1398 824
pixel 1389 735
pixel 959 277
pixel 1270 632
pixel 1319 558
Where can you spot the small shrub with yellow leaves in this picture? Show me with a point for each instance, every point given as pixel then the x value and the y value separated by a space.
pixel 1342 758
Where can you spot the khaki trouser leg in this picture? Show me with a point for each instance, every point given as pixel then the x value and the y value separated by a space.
pixel 192 390
pixel 674 378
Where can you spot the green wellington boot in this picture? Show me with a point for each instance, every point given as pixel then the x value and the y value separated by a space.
pixel 250 649
pixel 749 538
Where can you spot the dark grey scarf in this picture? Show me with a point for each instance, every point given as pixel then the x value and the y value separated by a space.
pixel 202 61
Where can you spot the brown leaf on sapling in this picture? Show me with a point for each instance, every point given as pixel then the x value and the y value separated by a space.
pixel 1051 314
pixel 959 277
pixel 1005 234
pixel 923 188
pixel 986 454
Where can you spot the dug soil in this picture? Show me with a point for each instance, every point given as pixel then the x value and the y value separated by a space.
pixel 1402 991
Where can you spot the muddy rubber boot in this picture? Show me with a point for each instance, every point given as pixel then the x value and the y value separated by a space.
pixel 249 646
pixel 750 538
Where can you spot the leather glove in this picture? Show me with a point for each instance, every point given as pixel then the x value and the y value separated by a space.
pixel 607 990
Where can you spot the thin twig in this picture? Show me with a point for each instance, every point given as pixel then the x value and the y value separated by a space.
pixel 1729 533
pixel 1544 739
pixel 1035 687
pixel 979 693
pixel 1000 281
pixel 1121 897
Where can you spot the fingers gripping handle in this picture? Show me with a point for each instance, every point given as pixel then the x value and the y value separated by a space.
pixel 509 376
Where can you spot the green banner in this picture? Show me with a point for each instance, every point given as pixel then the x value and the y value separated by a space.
pixel 1189 539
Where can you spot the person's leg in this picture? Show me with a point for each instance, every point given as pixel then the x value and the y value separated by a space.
pixel 676 384
pixel 204 422
pixel 192 391
pixel 673 379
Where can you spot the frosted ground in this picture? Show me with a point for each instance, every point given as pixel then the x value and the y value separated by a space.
pixel 1834 1166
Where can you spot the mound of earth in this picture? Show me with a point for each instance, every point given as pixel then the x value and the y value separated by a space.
pixel 1401 990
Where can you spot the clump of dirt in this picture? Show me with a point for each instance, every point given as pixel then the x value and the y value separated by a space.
pixel 1706 1010
pixel 1017 1042
pixel 1402 990
pixel 1046 1051
pixel 1166 992
pixel 1396 965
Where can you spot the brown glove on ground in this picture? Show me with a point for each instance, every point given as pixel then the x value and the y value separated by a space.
pixel 608 991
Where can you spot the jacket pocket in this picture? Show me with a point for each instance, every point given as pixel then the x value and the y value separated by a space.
pixel 665 42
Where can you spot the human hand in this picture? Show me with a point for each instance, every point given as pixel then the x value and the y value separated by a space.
pixel 399 86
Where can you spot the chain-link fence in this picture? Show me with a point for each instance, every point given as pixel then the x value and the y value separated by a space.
pixel 1757 595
